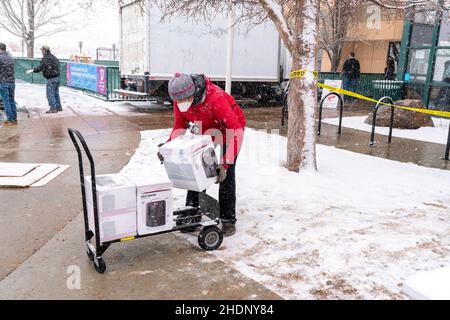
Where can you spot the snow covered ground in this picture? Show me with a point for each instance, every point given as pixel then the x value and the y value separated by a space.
pixel 438 134
pixel 353 230
pixel 33 97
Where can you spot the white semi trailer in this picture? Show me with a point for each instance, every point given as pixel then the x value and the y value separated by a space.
pixel 152 51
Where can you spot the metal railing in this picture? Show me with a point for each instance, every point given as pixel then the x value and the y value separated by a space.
pixel 388 88
pixel 364 85
pixel 447 150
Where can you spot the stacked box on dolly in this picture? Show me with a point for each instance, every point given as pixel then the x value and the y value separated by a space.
pixel 190 162
pixel 118 208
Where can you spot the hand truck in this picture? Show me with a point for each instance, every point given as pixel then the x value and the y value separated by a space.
pixel 187 220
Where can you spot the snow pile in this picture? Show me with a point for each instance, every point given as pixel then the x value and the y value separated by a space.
pixel 355 229
pixel 429 285
pixel 438 134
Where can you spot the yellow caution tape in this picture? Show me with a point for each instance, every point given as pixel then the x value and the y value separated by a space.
pixel 127 239
pixel 301 73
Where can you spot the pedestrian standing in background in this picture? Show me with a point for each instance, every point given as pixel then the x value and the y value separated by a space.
pixel 389 71
pixel 351 72
pixel 8 86
pixel 50 70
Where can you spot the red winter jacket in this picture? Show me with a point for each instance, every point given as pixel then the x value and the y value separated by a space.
pixel 219 111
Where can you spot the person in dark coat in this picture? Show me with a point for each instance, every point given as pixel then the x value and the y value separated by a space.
pixel 8 86
pixel 389 71
pixel 351 72
pixel 50 70
pixel 197 100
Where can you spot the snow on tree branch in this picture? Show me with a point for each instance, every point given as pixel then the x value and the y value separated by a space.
pixel 275 12
pixel 413 4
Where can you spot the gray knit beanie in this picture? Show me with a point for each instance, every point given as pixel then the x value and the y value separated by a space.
pixel 181 87
pixel 2 46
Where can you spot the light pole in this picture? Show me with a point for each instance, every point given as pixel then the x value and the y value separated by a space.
pixel 230 48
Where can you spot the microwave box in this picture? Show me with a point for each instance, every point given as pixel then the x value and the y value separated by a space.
pixel 116 206
pixel 190 162
pixel 154 205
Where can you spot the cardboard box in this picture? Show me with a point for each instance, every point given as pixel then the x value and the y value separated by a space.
pixel 116 205
pixel 429 285
pixel 190 162
pixel 154 205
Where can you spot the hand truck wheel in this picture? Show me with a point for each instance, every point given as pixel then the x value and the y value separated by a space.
pixel 210 238
pixel 100 265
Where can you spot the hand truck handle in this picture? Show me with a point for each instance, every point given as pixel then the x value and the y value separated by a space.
pixel 74 134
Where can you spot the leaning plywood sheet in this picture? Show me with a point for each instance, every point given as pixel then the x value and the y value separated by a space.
pixel 50 176
pixel 27 180
pixel 8 169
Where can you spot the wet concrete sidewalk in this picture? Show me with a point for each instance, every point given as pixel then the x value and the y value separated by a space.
pixel 41 229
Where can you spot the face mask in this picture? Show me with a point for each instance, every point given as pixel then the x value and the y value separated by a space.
pixel 184 106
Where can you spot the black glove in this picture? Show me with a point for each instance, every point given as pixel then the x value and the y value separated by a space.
pixel 160 156
pixel 221 174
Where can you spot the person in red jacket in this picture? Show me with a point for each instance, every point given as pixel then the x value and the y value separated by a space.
pixel 214 112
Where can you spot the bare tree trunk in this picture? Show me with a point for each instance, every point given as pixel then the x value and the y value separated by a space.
pixel 302 99
pixel 31 28
pixel 30 48
pixel 336 58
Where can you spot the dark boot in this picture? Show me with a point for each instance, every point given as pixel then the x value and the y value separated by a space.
pixel 228 229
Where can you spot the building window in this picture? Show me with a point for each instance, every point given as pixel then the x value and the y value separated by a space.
pixel 428 76
pixel 421 35
pixel 418 64
pixel 440 98
pixel 442 66
pixel 425 17
pixel 444 34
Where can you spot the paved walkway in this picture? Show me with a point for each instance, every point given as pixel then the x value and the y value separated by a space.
pixel 41 228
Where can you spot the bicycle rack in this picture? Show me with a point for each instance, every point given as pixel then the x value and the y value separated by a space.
pixel 375 111
pixel 341 111
pixel 447 150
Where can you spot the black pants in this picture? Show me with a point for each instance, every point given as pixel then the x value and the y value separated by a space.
pixel 227 196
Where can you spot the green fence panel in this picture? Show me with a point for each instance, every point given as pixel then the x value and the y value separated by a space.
pixel 20 69
pixel 365 83
pixel 113 78
pixel 388 88
pixel 24 64
pixel 107 63
pixel 63 73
